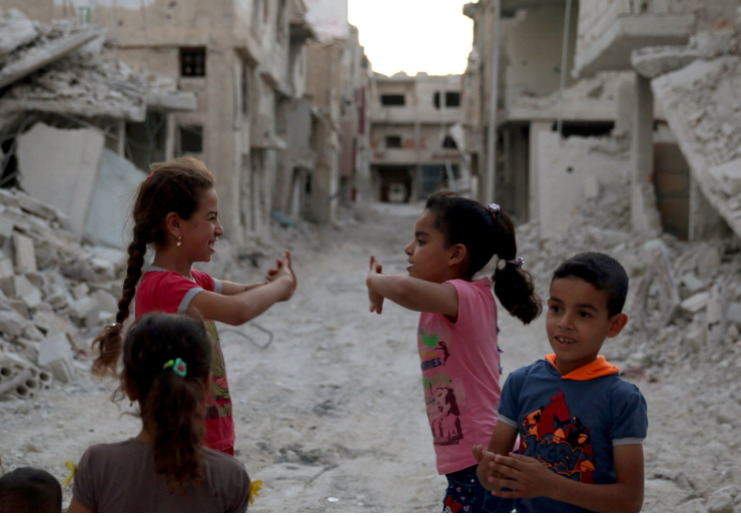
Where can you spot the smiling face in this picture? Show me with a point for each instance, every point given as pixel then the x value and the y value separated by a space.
pixel 203 229
pixel 578 322
pixel 427 252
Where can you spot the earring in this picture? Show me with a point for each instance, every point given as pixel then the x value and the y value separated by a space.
pixel 180 240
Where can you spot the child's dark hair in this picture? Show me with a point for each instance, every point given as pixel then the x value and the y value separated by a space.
pixel 602 271
pixel 30 490
pixel 173 186
pixel 167 359
pixel 486 232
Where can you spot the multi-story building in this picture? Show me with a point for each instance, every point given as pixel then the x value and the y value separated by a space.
pixel 582 102
pixel 414 142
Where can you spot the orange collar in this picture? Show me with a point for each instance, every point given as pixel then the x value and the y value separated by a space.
pixel 600 367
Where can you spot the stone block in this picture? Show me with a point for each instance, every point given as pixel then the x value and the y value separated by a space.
pixel 695 303
pixel 55 354
pixel 11 323
pixel 6 227
pixel 24 253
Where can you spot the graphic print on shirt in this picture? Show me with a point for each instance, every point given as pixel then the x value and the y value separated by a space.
pixel 441 392
pixel 559 440
pixel 221 404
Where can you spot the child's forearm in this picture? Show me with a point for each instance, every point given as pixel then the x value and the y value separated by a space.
pixel 596 497
pixel 415 294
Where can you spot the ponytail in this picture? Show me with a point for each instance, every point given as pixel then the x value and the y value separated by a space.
pixel 513 285
pixel 167 359
pixel 170 412
pixel 485 232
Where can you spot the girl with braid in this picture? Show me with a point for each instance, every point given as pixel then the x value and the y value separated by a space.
pixel 176 212
pixel 166 370
pixel 457 336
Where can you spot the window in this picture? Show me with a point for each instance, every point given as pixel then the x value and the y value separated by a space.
pixel 393 142
pixel 452 99
pixel 392 100
pixel 449 143
pixel 193 62
pixel 191 139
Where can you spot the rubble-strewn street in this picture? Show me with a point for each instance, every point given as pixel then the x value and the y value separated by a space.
pixel 327 401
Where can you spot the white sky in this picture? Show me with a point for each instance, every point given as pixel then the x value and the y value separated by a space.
pixel 413 36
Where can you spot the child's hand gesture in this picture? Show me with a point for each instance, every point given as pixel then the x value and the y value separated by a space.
pixel 525 477
pixel 485 470
pixel 283 273
pixel 376 299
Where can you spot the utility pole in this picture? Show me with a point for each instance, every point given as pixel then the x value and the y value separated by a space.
pixel 489 191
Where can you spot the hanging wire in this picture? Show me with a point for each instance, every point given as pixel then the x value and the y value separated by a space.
pixel 250 339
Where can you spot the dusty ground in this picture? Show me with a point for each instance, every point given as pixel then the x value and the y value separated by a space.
pixel 330 414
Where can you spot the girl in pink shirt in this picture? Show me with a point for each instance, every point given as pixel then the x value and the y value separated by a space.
pixel 454 238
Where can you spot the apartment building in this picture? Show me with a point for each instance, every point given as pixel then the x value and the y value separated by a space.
pixel 414 141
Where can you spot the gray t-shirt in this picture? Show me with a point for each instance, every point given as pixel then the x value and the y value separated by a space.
pixel 120 477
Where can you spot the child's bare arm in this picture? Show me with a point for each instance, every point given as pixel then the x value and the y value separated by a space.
pixel 528 478
pixel 411 293
pixel 244 306
pixel 502 440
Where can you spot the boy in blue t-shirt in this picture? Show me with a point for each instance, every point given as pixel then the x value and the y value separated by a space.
pixel 581 426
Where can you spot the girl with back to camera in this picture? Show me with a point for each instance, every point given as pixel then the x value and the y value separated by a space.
pixel 454 238
pixel 166 370
pixel 176 211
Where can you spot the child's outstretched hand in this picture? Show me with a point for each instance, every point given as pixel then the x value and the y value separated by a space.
pixel 283 273
pixel 376 299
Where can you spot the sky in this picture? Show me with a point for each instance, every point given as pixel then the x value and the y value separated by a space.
pixel 431 36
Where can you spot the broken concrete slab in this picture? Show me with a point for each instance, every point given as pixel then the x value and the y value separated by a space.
pixel 110 206
pixel 36 57
pixel 69 183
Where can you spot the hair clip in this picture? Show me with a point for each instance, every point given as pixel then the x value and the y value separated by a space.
pixel 178 366
pixel 494 207
pixel 517 262
pixel 115 326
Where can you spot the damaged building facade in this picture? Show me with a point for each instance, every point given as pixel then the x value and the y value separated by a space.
pixel 415 136
pixel 600 100
pixel 245 107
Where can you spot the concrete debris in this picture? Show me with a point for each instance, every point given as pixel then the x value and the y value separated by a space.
pixel 61 68
pixel 47 316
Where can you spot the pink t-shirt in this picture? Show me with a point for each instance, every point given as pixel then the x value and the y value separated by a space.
pixel 460 370
pixel 161 290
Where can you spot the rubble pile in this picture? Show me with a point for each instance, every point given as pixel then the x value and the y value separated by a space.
pixel 55 294
pixel 61 67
